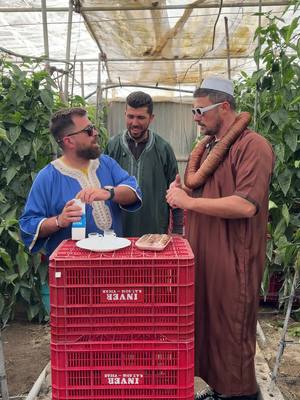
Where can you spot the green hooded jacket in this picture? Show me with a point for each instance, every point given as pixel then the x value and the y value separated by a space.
pixel 155 169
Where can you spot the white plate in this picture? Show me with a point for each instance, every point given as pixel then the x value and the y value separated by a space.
pixel 103 243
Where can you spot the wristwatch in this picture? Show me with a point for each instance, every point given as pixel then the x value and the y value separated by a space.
pixel 111 190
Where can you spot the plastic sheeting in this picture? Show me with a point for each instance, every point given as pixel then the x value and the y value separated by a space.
pixel 174 47
pixel 174 36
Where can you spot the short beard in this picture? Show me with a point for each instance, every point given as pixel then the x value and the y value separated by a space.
pixel 90 153
pixel 213 131
pixel 140 136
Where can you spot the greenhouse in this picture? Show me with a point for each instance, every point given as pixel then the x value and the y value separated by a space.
pixel 150 199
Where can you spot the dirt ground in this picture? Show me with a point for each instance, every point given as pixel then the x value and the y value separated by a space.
pixel 26 350
pixel 289 372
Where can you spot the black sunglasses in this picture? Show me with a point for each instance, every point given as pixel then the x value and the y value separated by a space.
pixel 89 130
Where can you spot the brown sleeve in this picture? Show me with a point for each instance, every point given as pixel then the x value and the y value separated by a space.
pixel 253 163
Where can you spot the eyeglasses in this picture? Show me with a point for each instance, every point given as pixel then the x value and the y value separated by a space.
pixel 203 110
pixel 89 130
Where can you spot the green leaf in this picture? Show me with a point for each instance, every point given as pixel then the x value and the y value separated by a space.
pixel 14 235
pixel 25 293
pixel 11 173
pixel 298 48
pixel 14 133
pixel 19 95
pixel 47 98
pixel 16 288
pixel 5 314
pixel 6 258
pixel 30 125
pixel 2 303
pixel 270 250
pixel 285 213
pixel 284 180
pixel 10 217
pixel 43 272
pixel 22 261
pixel 2 198
pixel 291 139
pixel 272 205
pixel 288 30
pixel 295 101
pixel 289 256
pixel 280 152
pixel 279 230
pixel 280 118
pixel 3 135
pixel 32 311
pixel 257 55
pixel 10 278
pixel 297 264
pixel 23 148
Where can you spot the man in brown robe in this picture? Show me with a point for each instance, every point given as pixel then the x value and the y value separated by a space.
pixel 227 221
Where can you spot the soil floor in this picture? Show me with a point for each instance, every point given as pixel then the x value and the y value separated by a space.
pixel 26 351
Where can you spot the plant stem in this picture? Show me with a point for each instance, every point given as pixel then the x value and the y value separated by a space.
pixel 282 342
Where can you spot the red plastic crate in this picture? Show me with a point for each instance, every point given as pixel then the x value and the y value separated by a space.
pixel 69 290
pixel 177 250
pixel 77 321
pixel 123 370
pixel 159 393
pixel 124 291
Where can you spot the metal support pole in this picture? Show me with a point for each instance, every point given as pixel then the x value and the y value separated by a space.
pixel 228 48
pixel 257 68
pixel 99 91
pixel 152 7
pixel 68 48
pixel 82 79
pixel 200 74
pixel 45 30
pixel 140 86
pixel 73 76
pixel 282 343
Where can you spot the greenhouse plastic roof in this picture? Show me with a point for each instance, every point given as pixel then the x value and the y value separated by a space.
pixel 167 43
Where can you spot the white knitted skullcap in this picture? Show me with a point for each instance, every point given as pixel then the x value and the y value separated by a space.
pixel 220 84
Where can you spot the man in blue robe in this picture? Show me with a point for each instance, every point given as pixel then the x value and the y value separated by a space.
pixel 81 172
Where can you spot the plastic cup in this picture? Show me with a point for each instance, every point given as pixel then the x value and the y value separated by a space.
pixel 109 232
pixel 94 234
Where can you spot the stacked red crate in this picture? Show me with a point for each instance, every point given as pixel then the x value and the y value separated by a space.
pixel 134 303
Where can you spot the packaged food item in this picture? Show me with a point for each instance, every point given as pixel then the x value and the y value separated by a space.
pixel 153 241
pixel 79 227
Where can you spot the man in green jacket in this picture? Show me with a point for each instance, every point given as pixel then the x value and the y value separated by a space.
pixel 148 157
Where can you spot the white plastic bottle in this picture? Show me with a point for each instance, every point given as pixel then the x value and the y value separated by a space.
pixel 78 228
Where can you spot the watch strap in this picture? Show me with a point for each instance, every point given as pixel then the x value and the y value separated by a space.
pixel 111 191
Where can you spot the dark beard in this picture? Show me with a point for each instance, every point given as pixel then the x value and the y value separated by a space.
pixel 90 153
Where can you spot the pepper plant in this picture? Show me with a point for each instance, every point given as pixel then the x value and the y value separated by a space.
pixel 272 95
pixel 28 96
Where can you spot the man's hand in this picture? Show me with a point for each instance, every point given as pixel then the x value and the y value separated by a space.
pixel 176 183
pixel 70 213
pixel 177 198
pixel 88 195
